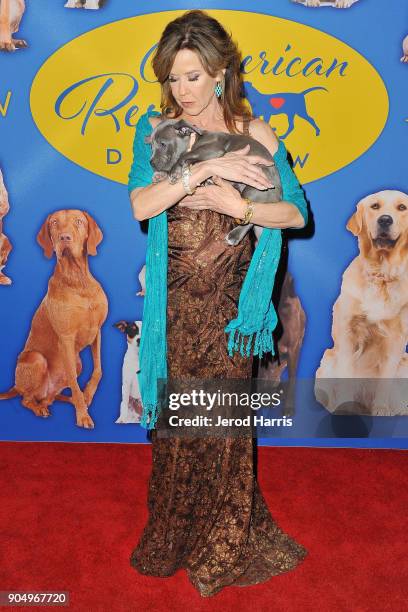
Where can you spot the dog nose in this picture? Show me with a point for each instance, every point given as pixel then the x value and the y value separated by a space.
pixel 65 237
pixel 385 220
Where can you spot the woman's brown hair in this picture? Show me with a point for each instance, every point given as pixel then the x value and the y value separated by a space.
pixel 197 31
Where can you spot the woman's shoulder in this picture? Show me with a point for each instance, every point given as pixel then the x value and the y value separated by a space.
pixel 149 120
pixel 262 131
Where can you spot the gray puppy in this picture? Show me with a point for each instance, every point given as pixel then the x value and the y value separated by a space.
pixel 170 141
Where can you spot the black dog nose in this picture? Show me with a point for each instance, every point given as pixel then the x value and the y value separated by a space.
pixel 65 237
pixel 385 220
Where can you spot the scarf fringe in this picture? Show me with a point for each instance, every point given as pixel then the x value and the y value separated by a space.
pixel 261 340
pixel 150 415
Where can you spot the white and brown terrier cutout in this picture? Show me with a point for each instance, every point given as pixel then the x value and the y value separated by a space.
pixel 85 4
pixel 11 13
pixel 5 245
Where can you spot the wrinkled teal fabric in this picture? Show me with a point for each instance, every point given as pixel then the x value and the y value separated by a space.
pixel 251 331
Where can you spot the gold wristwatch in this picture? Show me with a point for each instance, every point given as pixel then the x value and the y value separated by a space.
pixel 249 211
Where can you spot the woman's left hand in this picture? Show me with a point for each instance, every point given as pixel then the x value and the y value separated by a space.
pixel 221 197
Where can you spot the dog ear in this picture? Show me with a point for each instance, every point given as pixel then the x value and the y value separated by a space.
pixel 355 223
pixel 94 234
pixel 185 129
pixel 121 326
pixel 44 238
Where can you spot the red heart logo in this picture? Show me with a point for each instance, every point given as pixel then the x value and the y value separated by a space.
pixel 277 102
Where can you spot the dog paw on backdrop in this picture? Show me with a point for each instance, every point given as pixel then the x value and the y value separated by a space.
pixel 333 3
pixel 404 58
pixel 11 13
pixel 85 4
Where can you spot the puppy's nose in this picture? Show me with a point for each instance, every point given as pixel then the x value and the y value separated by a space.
pixel 385 220
pixel 65 237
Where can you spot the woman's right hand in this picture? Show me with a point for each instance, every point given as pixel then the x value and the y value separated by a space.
pixel 239 167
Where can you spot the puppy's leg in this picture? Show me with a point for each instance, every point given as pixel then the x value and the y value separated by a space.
pixel 69 359
pixel 71 4
pixel 235 236
pixel 93 383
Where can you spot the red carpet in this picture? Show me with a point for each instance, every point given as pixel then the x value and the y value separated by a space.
pixel 71 513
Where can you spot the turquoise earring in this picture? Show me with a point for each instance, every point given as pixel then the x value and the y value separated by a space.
pixel 218 89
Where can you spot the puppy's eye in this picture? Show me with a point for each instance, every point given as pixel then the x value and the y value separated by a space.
pixel 163 144
pixel 53 222
pixel 375 206
pixel 401 207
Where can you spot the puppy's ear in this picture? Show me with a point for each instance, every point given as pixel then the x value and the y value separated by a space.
pixel 185 129
pixel 44 238
pixel 94 234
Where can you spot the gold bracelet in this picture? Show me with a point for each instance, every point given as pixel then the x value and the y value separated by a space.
pixel 249 211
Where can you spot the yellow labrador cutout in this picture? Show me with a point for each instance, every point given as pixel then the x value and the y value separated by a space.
pixel 370 316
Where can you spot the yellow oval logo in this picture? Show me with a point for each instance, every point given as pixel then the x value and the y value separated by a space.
pixel 323 98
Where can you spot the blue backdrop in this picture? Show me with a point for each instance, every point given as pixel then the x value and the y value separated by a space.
pixel 39 180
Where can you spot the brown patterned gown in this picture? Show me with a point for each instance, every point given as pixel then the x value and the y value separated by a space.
pixel 206 511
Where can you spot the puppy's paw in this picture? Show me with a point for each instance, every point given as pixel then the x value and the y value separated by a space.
pixel 158 177
pixel 175 175
pixel 312 3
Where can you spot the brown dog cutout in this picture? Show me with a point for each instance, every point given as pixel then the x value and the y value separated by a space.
pixel 68 319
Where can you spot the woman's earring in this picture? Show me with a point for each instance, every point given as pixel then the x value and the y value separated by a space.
pixel 218 89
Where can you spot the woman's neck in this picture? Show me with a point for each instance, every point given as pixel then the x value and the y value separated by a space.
pixel 210 118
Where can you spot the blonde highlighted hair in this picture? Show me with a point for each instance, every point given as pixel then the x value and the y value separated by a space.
pixel 197 31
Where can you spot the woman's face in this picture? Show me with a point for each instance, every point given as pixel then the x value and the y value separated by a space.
pixel 191 86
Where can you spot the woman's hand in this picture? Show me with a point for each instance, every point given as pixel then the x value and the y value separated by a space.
pixel 239 167
pixel 221 197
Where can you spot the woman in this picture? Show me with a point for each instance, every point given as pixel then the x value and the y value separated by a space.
pixel 206 512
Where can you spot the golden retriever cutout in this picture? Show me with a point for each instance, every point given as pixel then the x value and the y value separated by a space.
pixel 370 316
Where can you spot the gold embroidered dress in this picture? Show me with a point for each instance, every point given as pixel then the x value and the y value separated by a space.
pixel 206 511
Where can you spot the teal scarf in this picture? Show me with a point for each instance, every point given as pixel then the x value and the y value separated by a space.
pixel 256 318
